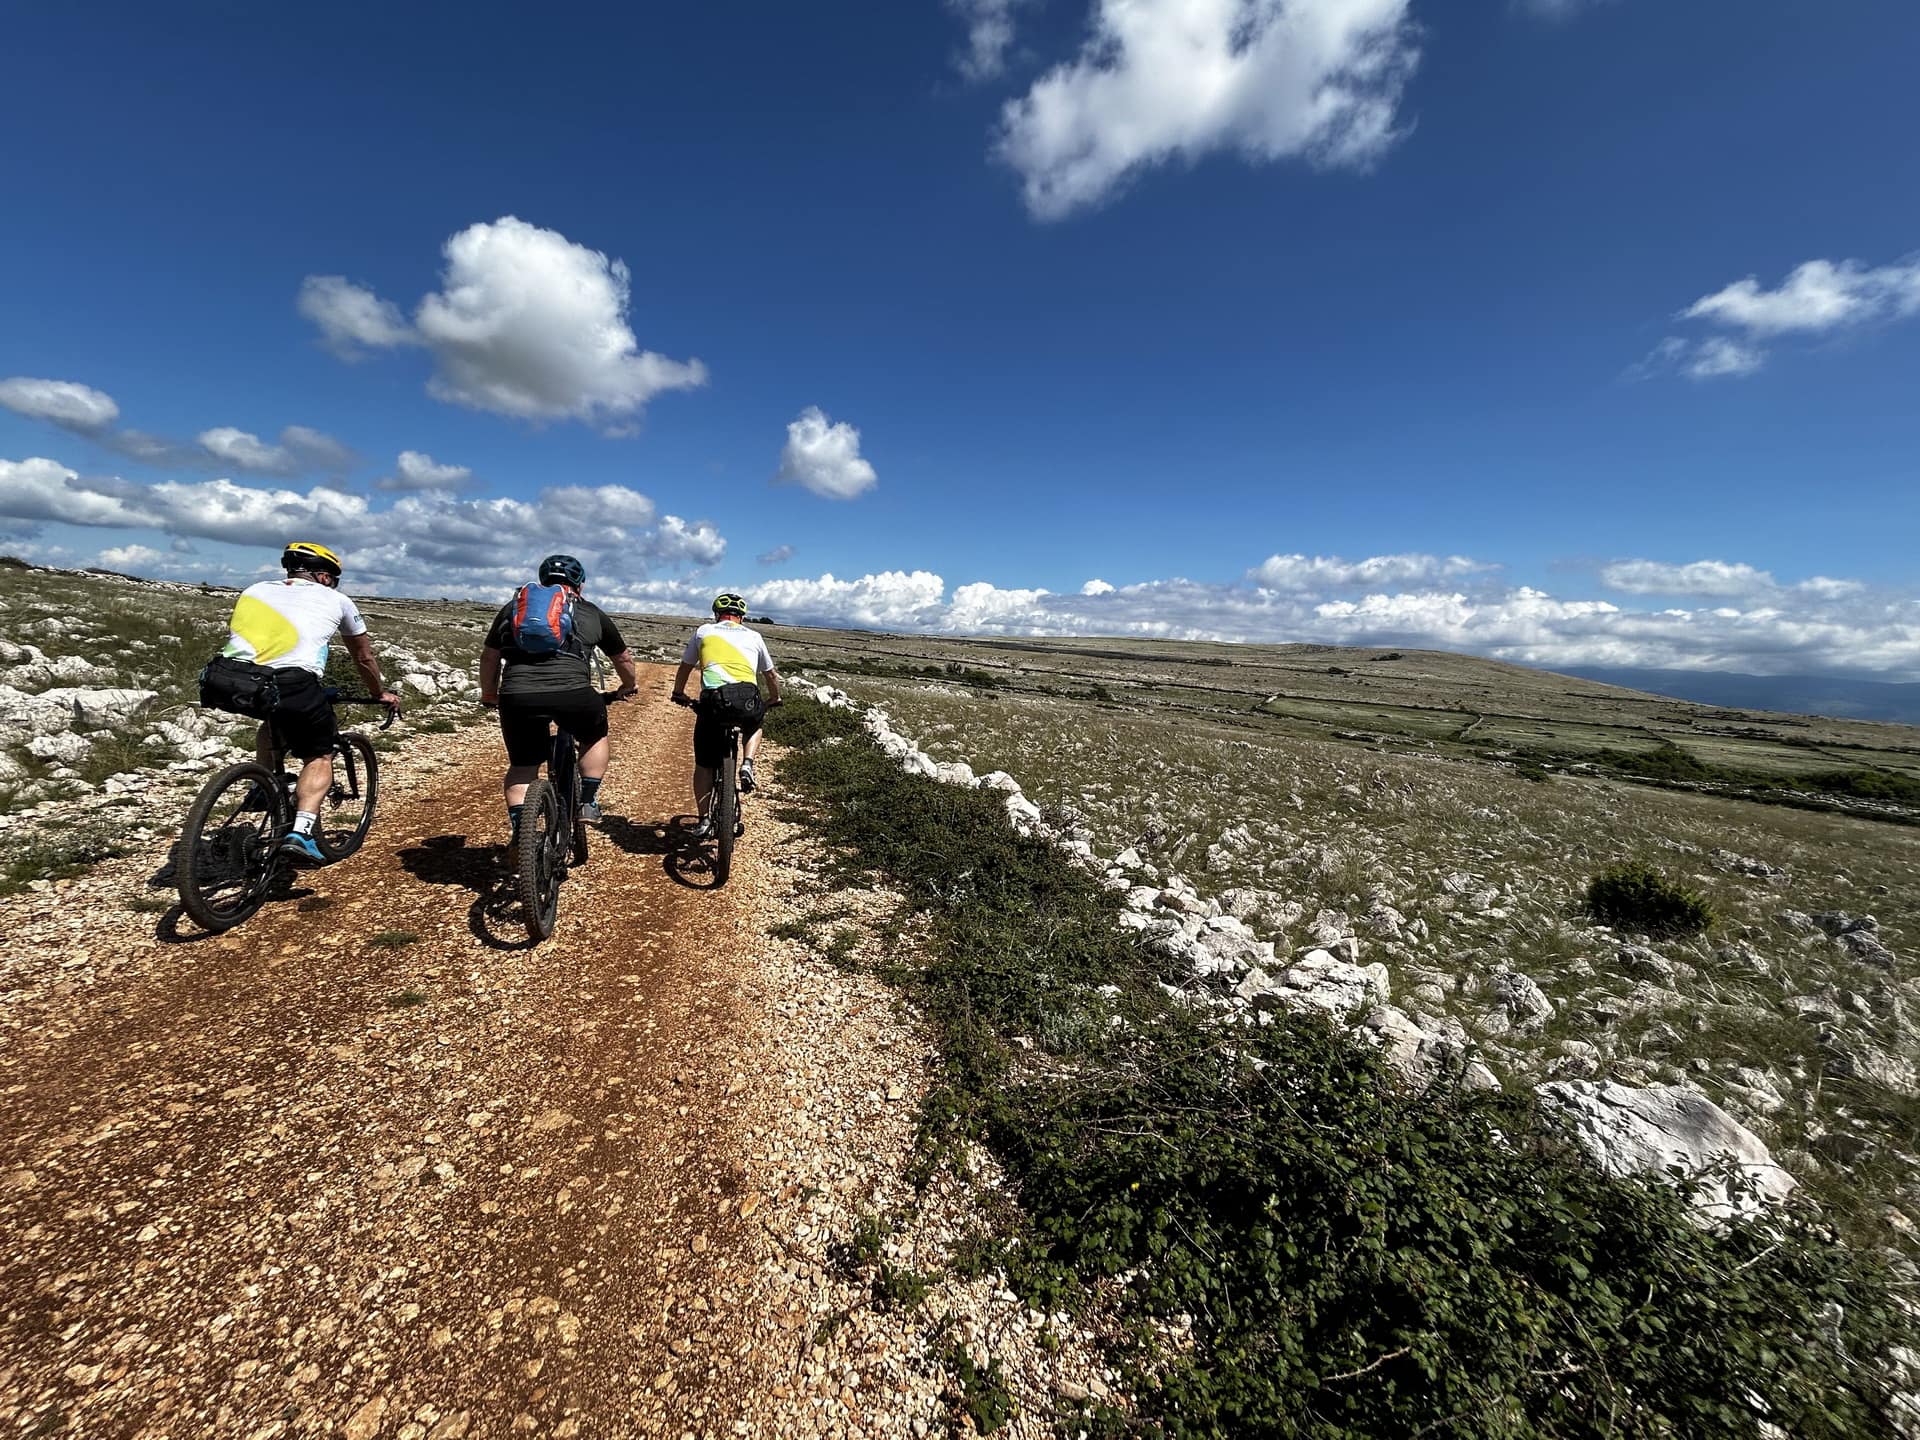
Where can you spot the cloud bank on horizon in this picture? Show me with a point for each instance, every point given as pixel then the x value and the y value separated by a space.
pixel 432 542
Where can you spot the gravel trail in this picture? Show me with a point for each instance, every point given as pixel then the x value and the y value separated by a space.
pixel 293 1181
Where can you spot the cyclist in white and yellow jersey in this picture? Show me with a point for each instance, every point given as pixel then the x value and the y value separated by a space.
pixel 289 626
pixel 731 660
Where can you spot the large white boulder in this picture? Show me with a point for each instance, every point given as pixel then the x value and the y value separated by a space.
pixel 1629 1130
pixel 99 707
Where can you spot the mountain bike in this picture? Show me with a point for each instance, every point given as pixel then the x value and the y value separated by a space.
pixel 722 808
pixel 552 837
pixel 229 855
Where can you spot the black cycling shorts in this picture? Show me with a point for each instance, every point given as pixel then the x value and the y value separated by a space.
pixel 713 720
pixel 303 720
pixel 525 722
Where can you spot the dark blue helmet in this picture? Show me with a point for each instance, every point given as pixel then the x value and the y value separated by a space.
pixel 562 570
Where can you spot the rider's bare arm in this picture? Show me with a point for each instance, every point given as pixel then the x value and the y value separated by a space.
pixel 360 651
pixel 490 676
pixel 680 678
pixel 629 674
pixel 772 677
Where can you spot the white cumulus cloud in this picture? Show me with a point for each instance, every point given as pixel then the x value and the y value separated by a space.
pixel 1818 298
pixel 1698 577
pixel 424 543
pixel 1713 578
pixel 1096 587
pixel 300 449
pixel 778 555
pixel 65 403
pixel 351 317
pixel 1302 572
pixel 243 451
pixel 824 456
pixel 416 470
pixel 526 323
pixel 134 559
pixel 1162 80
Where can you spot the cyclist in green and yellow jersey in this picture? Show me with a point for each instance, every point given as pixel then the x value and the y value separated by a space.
pixel 731 661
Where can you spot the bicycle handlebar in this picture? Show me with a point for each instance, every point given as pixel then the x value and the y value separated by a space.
pixel 334 697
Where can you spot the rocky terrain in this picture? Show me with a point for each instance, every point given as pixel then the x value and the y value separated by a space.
pixel 1308 850
pixel 1457 886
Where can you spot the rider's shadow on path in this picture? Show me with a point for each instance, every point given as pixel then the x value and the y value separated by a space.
pixel 172 927
pixel 681 856
pixel 494 917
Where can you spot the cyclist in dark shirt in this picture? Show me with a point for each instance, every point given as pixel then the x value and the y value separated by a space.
pixel 533 692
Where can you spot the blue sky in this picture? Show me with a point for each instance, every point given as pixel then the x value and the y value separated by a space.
pixel 1358 320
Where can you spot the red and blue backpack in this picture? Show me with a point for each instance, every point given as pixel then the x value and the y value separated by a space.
pixel 542 619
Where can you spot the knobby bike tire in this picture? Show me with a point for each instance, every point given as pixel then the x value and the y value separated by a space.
pixel 541 865
pixel 726 811
pixel 225 865
pixel 579 856
pixel 355 788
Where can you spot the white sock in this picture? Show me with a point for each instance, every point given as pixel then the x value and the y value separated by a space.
pixel 303 822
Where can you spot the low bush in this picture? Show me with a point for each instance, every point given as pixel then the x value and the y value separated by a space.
pixel 60 855
pixel 1340 1257
pixel 1637 897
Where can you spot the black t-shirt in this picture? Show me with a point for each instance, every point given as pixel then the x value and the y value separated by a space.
pixel 566 670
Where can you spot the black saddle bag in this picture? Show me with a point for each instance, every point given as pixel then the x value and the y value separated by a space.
pixel 240 687
pixel 739 704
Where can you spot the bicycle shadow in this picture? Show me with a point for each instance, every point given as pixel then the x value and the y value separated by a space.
pixel 172 926
pixel 494 916
pixel 684 859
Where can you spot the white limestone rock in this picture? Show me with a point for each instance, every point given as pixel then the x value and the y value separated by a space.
pixel 1525 1004
pixel 1629 1130
pixel 65 748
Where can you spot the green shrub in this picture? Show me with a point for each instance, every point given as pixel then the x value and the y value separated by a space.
pixel 1637 897
pixel 1353 1260
pixel 1864 784
pixel 59 855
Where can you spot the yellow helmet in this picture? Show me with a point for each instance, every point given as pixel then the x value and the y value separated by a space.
pixel 304 555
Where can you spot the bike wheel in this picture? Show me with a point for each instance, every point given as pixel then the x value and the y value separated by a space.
pixel 227 850
pixel 726 810
pixel 346 811
pixel 542 852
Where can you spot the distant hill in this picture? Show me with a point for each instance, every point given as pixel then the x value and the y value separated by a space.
pixel 1795 694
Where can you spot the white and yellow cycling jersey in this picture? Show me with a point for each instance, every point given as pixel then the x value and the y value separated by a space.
pixel 290 624
pixel 728 653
